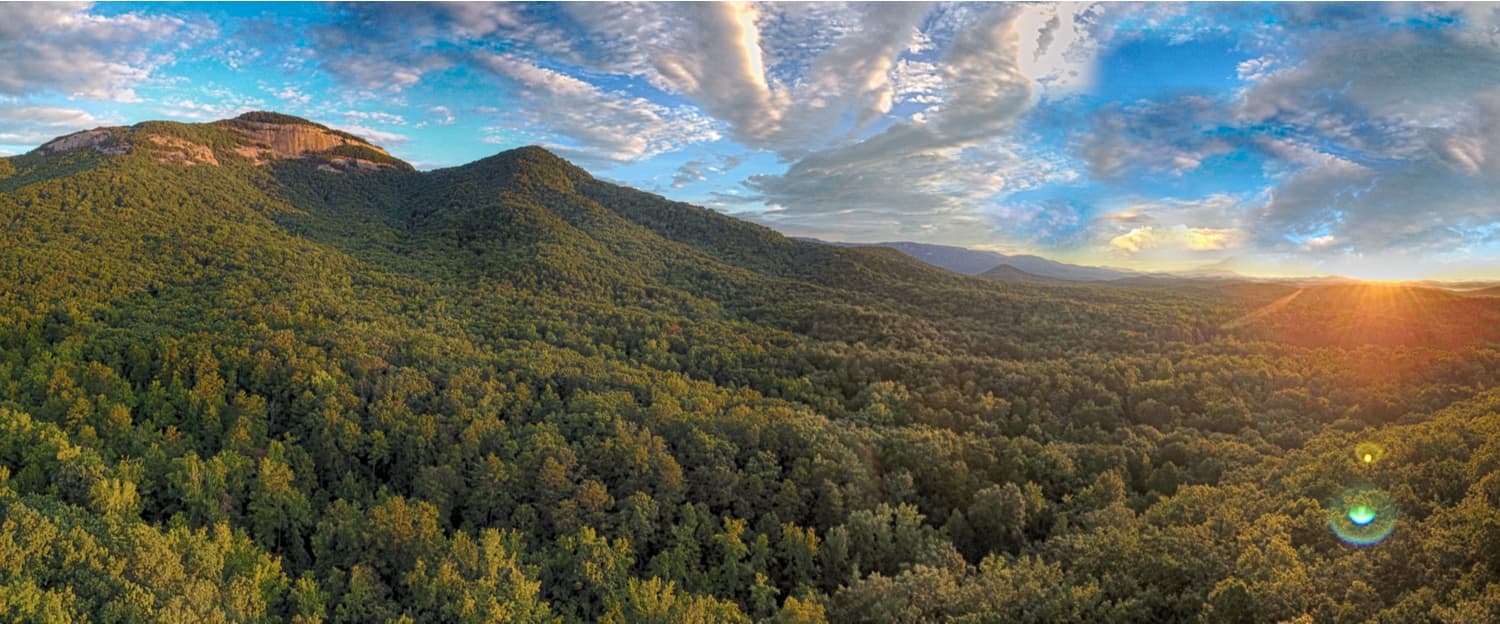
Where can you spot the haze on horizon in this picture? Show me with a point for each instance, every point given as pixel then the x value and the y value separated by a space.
pixel 1270 139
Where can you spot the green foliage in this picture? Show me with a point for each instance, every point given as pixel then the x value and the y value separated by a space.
pixel 512 392
pixel 275 118
pixel 365 152
pixel 202 134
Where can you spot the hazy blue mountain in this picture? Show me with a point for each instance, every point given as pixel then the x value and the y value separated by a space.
pixel 977 261
pixel 1008 273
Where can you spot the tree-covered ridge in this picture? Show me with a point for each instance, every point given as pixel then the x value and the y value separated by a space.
pixel 275 118
pixel 509 391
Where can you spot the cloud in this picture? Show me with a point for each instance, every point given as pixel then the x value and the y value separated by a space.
pixel 290 96
pixel 1419 207
pixel 929 177
pixel 774 73
pixel 34 125
pixel 690 172
pixel 917 82
pixel 1376 138
pixel 719 64
pixel 1412 117
pixel 441 115
pixel 1178 237
pixel 1172 232
pixel 379 117
pixel 62 48
pixel 880 188
pixel 388 47
pixel 853 81
pixel 212 104
pixel 782 77
pixel 376 137
pixel 1171 137
pixel 46 116
pixel 1058 47
pixel 1376 95
pixel 601 125
pixel 1217 210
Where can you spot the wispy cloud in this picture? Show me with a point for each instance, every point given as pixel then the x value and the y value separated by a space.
pixel 377 137
pixel 601 124
pixel 64 48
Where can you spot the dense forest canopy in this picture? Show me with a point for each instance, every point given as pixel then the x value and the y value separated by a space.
pixel 244 385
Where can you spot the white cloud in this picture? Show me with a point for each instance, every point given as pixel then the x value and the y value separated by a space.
pixel 291 96
pixel 930 178
pixel 1256 69
pixel 47 116
pixel 852 82
pixel 610 126
pixel 376 137
pixel 441 115
pixel 716 60
pixel 63 48
pixel 1319 243
pixel 22 125
pixel 918 82
pixel 379 117
pixel 216 104
pixel 1058 52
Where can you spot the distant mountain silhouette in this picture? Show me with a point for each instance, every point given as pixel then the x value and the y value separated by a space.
pixel 976 261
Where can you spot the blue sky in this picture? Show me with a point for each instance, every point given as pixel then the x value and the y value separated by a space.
pixel 1287 139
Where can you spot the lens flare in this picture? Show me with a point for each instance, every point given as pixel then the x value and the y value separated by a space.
pixel 1368 452
pixel 1362 516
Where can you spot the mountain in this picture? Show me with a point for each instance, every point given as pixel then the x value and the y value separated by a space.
pixel 258 137
pixel 975 261
pixel 1008 273
pixel 260 370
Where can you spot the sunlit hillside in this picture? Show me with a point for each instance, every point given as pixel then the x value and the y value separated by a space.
pixel 1380 314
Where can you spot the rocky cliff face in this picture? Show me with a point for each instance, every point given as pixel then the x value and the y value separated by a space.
pixel 181 151
pixel 274 140
pixel 258 137
pixel 102 140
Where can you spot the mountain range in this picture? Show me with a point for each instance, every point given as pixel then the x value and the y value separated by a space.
pixel 261 370
pixel 977 261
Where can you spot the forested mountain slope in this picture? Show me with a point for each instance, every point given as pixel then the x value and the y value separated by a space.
pixel 257 370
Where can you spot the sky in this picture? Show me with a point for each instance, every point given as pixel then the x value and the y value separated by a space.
pixel 1268 139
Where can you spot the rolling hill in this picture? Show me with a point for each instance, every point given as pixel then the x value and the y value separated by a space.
pixel 1008 273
